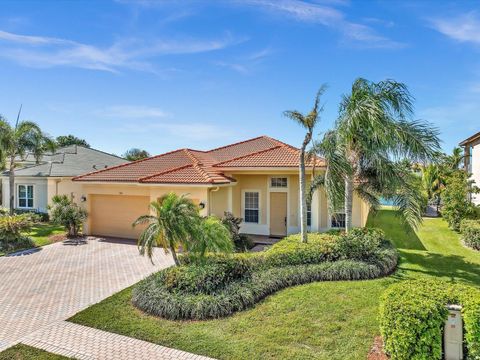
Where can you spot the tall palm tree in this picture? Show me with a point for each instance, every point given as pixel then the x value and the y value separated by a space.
pixel 373 133
pixel 308 122
pixel 175 222
pixel 16 141
pixel 433 182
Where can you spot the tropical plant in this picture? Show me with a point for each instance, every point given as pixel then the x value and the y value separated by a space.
pixel 211 236
pixel 67 140
pixel 242 242
pixel 456 204
pixel 374 133
pixel 175 221
pixel 433 182
pixel 65 212
pixel 308 122
pixel 135 154
pixel 11 232
pixel 16 141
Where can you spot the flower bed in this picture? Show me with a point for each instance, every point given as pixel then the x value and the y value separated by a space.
pixel 224 284
pixel 413 314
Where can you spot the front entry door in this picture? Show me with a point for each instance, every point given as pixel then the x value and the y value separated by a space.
pixel 278 214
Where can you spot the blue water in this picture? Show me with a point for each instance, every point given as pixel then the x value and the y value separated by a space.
pixel 386 202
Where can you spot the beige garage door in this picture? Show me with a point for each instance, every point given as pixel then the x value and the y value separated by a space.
pixel 113 215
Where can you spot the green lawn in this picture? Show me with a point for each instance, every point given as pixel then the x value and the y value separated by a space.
pixel 41 232
pixel 328 320
pixel 24 352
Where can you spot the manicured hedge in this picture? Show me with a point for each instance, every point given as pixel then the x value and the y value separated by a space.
pixel 222 285
pixel 413 314
pixel 470 230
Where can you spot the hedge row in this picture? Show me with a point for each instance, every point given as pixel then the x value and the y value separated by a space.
pixel 413 314
pixel 222 285
pixel 470 230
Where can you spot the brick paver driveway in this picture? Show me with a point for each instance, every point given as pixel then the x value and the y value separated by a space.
pixel 56 282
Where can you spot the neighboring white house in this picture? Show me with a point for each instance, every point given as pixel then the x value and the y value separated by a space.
pixel 36 184
pixel 472 161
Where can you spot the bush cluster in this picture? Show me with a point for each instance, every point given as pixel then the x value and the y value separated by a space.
pixel 413 314
pixel 222 284
pixel 470 230
pixel 11 228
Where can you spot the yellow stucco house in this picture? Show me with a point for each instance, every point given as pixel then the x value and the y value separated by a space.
pixel 256 180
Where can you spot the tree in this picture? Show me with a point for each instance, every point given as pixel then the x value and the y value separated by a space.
pixel 135 154
pixel 16 141
pixel 308 122
pixel 67 140
pixel 373 134
pixel 175 221
pixel 456 205
pixel 65 212
pixel 433 182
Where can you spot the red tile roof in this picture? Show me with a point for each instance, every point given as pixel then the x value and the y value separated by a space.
pixel 186 166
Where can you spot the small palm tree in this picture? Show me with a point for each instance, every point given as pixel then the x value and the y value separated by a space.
pixel 174 222
pixel 212 236
pixel 15 142
pixel 308 122
pixel 373 134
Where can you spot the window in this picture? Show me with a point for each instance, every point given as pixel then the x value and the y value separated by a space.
pixel 309 214
pixel 278 182
pixel 251 207
pixel 338 220
pixel 25 196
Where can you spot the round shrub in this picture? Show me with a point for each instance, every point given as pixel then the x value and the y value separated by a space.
pixel 470 230
pixel 222 285
pixel 413 314
pixel 359 243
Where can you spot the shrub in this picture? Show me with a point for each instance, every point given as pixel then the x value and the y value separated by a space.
pixel 3 211
pixel 470 230
pixel 68 214
pixel 413 314
pixel 456 206
pixel 11 228
pixel 242 242
pixel 37 215
pixel 359 243
pixel 224 284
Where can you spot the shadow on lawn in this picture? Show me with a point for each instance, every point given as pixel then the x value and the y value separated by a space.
pixel 452 267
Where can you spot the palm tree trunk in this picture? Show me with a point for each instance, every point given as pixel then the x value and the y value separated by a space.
pixel 174 255
pixel 302 190
pixel 348 202
pixel 11 176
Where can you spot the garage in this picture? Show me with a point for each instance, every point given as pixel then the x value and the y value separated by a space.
pixel 113 215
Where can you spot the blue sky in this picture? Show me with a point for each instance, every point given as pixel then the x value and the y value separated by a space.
pixel 160 75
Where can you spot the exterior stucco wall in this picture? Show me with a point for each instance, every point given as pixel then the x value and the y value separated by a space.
pixel 219 202
pixel 64 186
pixel 197 194
pixel 40 194
pixel 475 169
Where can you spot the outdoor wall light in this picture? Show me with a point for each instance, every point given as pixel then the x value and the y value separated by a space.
pixel 83 198
pixel 202 205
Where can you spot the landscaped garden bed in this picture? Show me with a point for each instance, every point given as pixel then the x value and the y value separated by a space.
pixel 221 285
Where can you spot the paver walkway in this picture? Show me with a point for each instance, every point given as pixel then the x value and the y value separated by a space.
pixel 84 343
pixel 40 290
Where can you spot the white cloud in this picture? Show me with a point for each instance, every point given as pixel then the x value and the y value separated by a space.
pixel 43 52
pixel 132 112
pixel 327 16
pixel 463 28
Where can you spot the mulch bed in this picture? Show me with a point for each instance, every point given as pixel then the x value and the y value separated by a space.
pixel 57 238
pixel 376 352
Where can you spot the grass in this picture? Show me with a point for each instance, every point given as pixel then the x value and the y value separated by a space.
pixel 24 352
pixel 41 232
pixel 325 320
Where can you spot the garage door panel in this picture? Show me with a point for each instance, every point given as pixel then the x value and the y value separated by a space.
pixel 113 215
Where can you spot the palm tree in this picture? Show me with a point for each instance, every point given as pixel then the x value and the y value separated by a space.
pixel 212 236
pixel 16 141
pixel 175 222
pixel 308 122
pixel 373 133
pixel 433 182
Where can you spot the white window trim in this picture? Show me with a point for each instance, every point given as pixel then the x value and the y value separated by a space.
pixel 17 197
pixel 259 205
pixel 278 189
